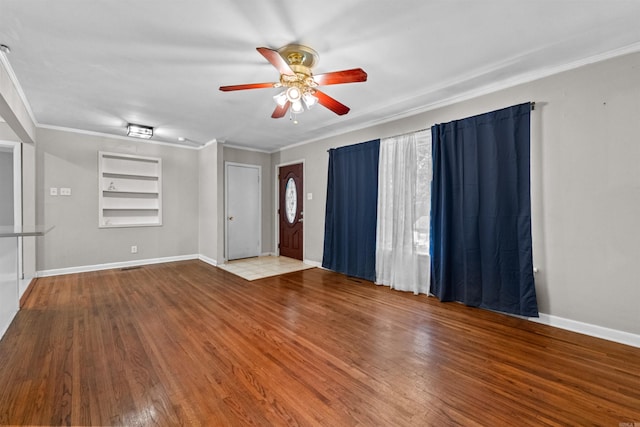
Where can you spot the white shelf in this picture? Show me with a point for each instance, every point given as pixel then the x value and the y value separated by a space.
pixel 130 218
pixel 117 164
pixel 129 184
pixel 123 203
pixel 130 190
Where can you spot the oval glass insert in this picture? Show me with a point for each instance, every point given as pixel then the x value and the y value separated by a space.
pixel 291 200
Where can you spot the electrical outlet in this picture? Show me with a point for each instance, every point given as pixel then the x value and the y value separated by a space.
pixel 134 249
pixel 65 191
pixel 53 191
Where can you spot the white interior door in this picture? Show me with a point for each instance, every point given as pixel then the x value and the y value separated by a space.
pixel 243 210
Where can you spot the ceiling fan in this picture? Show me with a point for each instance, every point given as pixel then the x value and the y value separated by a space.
pixel 294 63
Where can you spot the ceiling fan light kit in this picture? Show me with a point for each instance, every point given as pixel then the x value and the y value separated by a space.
pixel 309 100
pixel 294 63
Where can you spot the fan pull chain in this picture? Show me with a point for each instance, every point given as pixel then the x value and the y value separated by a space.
pixel 293 117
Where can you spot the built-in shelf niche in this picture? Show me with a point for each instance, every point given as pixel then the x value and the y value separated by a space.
pixel 130 190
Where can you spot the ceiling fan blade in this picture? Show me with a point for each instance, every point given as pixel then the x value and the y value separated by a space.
pixel 280 111
pixel 333 105
pixel 246 86
pixel 276 60
pixel 354 75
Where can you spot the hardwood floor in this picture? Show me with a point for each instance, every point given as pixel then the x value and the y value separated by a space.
pixel 189 344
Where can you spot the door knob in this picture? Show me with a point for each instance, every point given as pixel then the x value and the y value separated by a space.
pixel 230 218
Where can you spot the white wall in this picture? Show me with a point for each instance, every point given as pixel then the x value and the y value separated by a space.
pixel 18 127
pixel 6 186
pixel 11 288
pixel 8 282
pixel 8 251
pixel 585 186
pixel 69 159
pixel 12 109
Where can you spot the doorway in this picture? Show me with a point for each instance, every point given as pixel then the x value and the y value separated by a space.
pixel 11 218
pixel 243 210
pixel 290 204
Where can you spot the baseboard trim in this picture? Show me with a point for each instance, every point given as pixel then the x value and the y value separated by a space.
pixel 24 283
pixel 313 263
pixel 588 329
pixel 208 260
pixel 27 291
pixel 112 265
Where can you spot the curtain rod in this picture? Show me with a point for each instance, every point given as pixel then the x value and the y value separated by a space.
pixel 533 107
pixel 401 134
pixel 407 133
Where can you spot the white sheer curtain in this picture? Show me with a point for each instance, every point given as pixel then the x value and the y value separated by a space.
pixel 404 200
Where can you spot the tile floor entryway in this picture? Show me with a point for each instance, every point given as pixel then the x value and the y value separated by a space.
pixel 264 266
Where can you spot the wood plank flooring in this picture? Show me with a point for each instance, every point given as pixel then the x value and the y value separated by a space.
pixel 189 344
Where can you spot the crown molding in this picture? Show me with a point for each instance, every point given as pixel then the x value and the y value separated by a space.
pixel 475 93
pixel 239 147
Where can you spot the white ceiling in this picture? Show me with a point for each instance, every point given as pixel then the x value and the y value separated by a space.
pixel 96 65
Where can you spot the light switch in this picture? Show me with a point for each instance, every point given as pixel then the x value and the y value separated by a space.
pixel 309 196
pixel 53 191
pixel 65 191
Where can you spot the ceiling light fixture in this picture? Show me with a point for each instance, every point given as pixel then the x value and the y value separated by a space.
pixel 294 94
pixel 309 100
pixel 281 98
pixel 297 108
pixel 298 97
pixel 139 131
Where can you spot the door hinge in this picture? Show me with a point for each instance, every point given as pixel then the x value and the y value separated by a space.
pixel 278 245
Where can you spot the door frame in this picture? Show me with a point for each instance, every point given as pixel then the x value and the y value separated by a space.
pixel 16 147
pixel 276 236
pixel 226 205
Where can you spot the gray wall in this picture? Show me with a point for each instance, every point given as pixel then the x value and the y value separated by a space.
pixel 66 159
pixel 6 186
pixel 585 186
pixel 208 203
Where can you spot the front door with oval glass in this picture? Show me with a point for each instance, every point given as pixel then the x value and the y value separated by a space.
pixel 290 210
